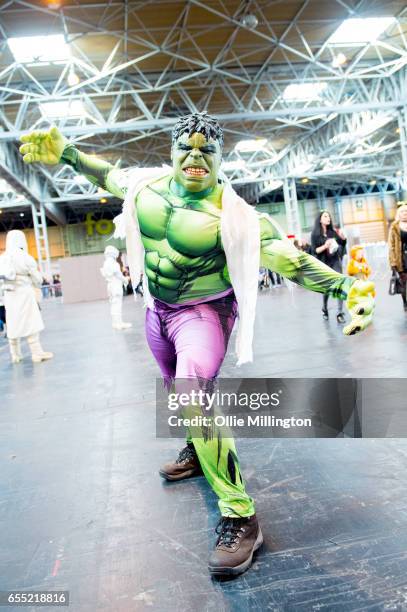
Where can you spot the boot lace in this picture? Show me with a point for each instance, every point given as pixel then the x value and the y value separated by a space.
pixel 186 453
pixel 229 530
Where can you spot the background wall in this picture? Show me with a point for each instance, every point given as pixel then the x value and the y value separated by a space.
pixel 81 278
pixel 70 240
pixel 55 239
pixel 366 218
pixel 84 238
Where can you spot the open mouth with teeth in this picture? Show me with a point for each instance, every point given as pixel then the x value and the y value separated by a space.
pixel 195 172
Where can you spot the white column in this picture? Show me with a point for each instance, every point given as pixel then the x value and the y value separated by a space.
pixel 291 207
pixel 339 211
pixel 41 240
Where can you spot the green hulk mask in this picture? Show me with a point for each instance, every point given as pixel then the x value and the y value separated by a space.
pixel 195 162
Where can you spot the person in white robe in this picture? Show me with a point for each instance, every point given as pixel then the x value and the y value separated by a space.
pixel 20 276
pixel 112 273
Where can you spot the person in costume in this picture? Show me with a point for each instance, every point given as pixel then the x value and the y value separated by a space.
pixel 112 273
pixel 20 277
pixel 357 264
pixel 398 250
pixel 201 246
pixel 328 246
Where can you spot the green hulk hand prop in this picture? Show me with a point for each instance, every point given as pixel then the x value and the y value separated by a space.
pixel 44 147
pixel 184 256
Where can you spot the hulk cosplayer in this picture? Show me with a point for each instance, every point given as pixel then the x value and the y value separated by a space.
pixel 200 246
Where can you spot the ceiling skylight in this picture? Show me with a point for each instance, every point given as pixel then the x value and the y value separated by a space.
pixel 250 146
pixel 304 91
pixel 357 30
pixel 55 110
pixel 28 49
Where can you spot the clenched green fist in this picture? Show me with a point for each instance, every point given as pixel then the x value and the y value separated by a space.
pixel 45 147
pixel 360 304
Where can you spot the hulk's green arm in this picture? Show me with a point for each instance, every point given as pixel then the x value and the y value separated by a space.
pixel 97 171
pixel 303 269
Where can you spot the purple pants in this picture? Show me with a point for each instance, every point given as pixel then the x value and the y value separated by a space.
pixel 190 341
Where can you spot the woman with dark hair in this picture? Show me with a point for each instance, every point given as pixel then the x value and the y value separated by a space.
pixel 328 246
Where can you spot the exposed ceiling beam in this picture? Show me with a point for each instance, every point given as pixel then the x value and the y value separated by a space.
pixel 147 124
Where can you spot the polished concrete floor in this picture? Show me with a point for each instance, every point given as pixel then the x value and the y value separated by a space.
pixel 82 507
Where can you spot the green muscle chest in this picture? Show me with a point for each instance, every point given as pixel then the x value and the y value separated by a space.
pixel 181 237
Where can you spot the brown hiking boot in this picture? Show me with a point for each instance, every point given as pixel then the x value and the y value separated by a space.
pixel 186 466
pixel 238 539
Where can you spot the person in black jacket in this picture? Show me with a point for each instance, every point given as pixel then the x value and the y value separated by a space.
pixel 328 245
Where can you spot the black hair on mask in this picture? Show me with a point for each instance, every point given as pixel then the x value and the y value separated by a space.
pixel 201 123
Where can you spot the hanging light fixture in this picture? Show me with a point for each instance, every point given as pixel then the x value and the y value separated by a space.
pixel 73 78
pixel 250 21
pixel 339 60
pixel 53 4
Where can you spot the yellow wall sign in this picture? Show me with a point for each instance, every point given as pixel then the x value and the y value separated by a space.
pixel 102 226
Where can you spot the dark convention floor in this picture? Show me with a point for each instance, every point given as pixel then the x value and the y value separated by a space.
pixel 82 507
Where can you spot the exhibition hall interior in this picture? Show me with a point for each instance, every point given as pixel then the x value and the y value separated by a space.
pixel 203 305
